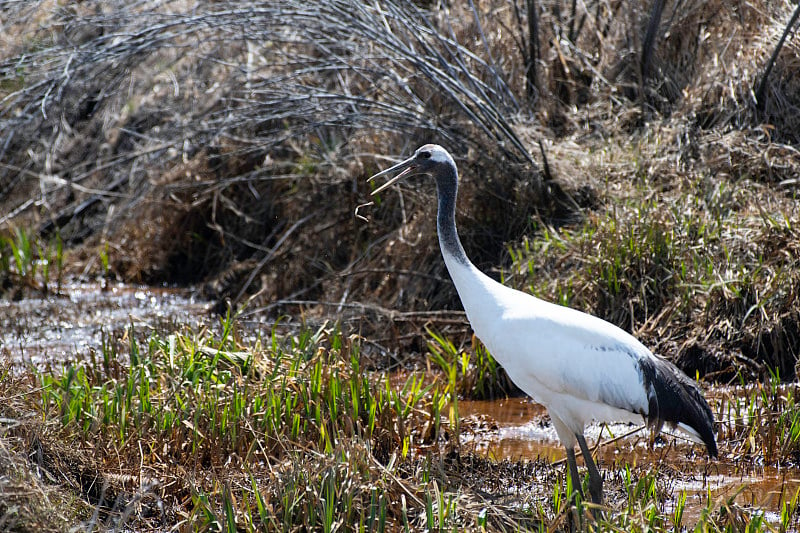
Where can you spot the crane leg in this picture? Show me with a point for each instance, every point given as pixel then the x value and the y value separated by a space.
pixel 595 479
pixel 573 472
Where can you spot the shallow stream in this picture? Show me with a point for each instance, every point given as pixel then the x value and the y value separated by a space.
pixel 53 329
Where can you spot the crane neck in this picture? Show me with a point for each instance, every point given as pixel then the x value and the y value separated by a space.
pixel 481 296
pixel 449 242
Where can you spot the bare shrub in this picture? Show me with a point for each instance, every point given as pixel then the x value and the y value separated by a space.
pixel 227 142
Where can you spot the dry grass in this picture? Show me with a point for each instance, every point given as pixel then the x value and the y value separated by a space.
pixel 32 497
pixel 702 266
pixel 226 144
pixel 224 125
pixel 200 429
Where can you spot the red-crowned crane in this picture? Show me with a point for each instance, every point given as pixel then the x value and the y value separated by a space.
pixel 580 367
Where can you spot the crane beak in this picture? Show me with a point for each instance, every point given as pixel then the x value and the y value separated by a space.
pixel 408 166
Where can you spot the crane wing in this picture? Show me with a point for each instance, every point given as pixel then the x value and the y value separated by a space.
pixel 595 369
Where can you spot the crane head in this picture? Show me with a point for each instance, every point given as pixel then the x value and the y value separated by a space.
pixel 426 160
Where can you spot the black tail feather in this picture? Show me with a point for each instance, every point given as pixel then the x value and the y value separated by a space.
pixel 676 399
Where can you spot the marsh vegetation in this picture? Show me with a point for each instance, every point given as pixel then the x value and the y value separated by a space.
pixel 638 161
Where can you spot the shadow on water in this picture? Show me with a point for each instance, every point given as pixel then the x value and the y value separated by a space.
pixel 519 429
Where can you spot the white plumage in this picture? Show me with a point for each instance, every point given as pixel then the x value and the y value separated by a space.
pixel 581 368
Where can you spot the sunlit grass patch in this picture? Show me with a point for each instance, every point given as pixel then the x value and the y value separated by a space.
pixel 761 422
pixel 472 373
pixel 28 261
pixel 693 270
pixel 288 431
pixel 285 432
pixel 624 263
pixel 201 390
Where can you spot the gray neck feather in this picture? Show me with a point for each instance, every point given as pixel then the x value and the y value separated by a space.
pixel 447 187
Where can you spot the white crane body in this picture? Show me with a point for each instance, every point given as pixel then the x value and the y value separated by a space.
pixel 580 367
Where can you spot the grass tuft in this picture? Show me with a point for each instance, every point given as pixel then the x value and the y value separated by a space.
pixel 30 264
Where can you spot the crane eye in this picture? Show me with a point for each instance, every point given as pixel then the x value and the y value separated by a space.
pixel 425 155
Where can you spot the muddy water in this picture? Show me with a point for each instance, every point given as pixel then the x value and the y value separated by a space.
pixel 54 329
pixel 519 429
